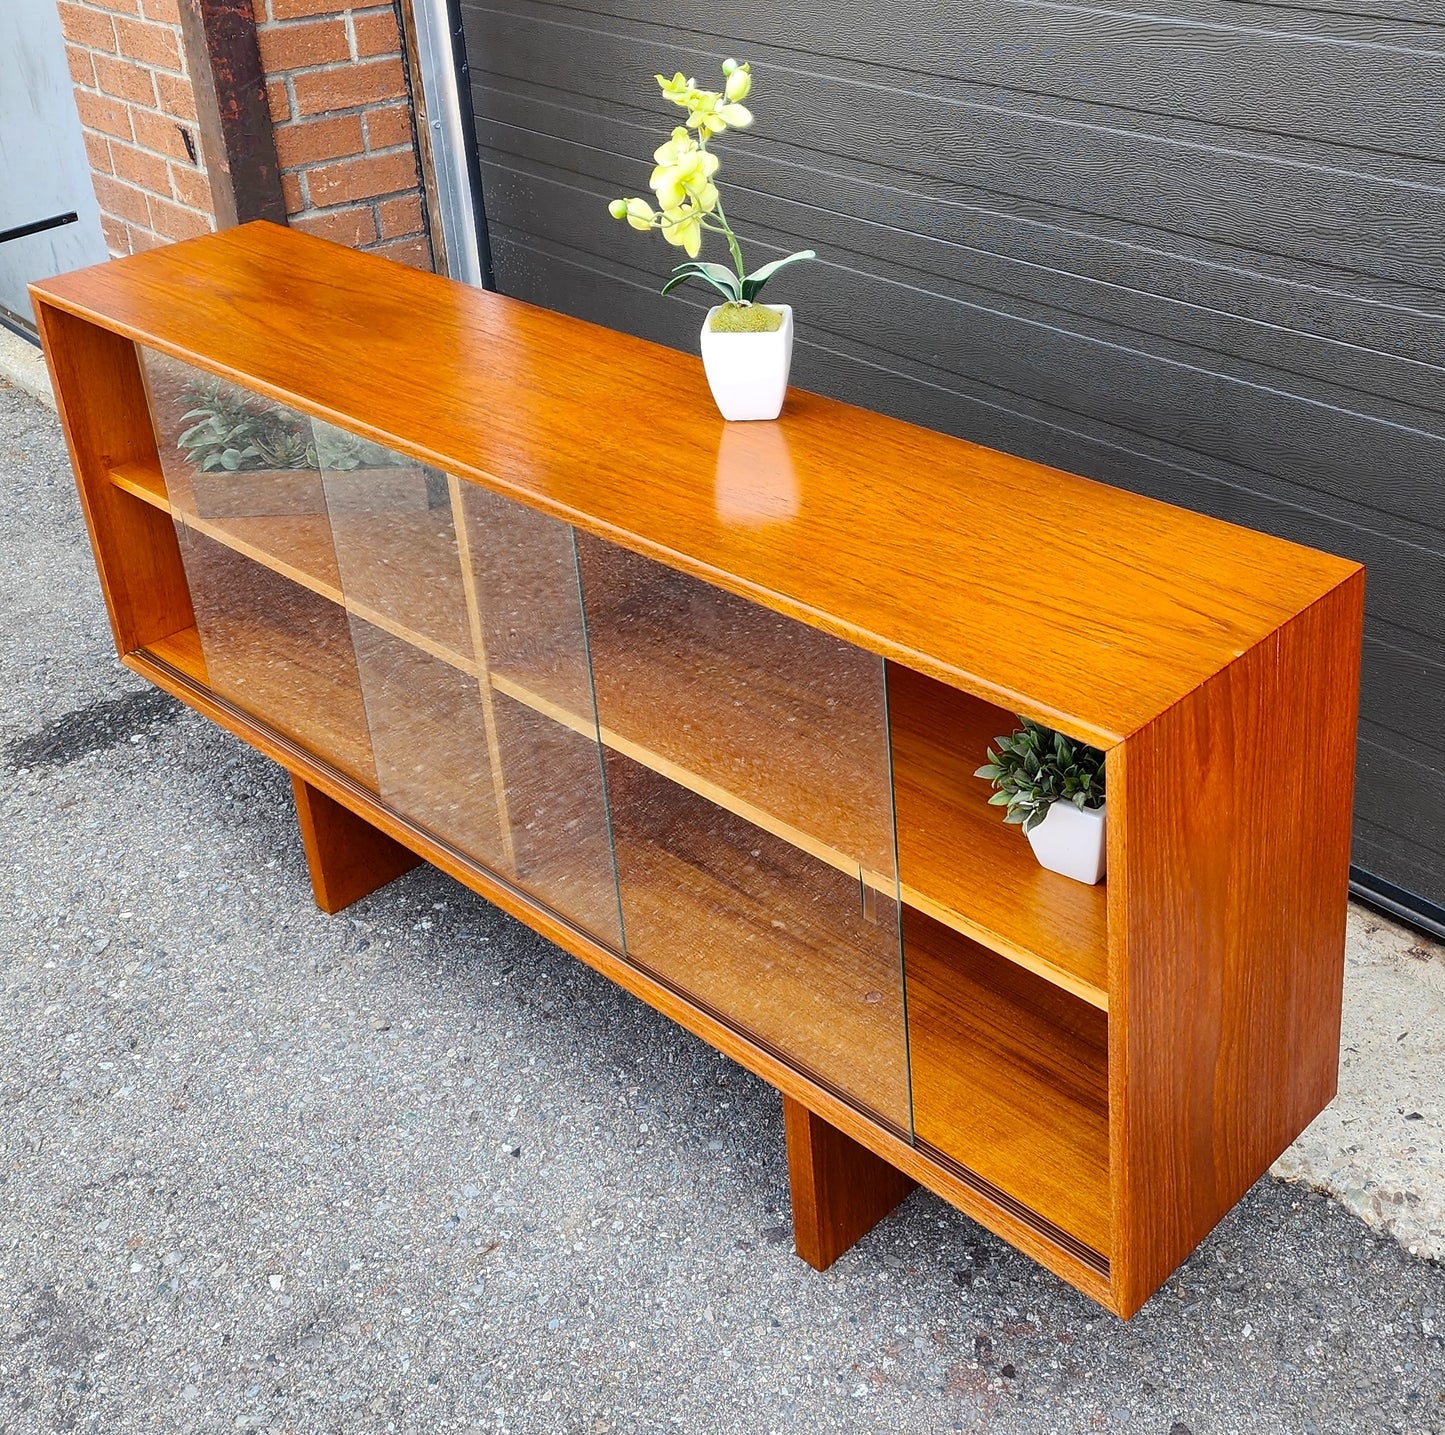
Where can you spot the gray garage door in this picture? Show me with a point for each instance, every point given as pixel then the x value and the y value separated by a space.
pixel 1198 253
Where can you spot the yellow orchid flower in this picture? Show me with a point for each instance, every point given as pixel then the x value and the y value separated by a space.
pixel 739 80
pixel 684 169
pixel 679 89
pixel 637 212
pixel 683 227
pixel 686 197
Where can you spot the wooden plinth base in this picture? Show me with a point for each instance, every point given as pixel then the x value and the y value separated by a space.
pixel 348 857
pixel 841 1190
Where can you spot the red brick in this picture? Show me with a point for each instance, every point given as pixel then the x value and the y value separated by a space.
pixel 291 193
pixel 82 70
pixel 158 133
pixel 348 180
pixel 97 151
pixel 376 33
pixel 317 140
pixel 388 127
pixel 119 7
pixel 260 11
pixel 84 26
pixel 346 87
pixel 121 200
pixel 142 238
pixel 295 47
pixel 279 100
pixel 165 11
pixel 139 167
pixel 304 9
pixel 175 221
pixel 397 217
pixel 125 80
pixel 353 227
pixel 113 230
pixel 150 44
pixel 176 97
pixel 108 117
pixel 414 252
pixel 191 188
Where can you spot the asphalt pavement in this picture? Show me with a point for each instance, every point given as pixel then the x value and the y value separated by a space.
pixel 414 1169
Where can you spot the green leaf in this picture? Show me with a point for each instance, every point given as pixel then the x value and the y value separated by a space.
pixel 727 291
pixel 723 279
pixel 754 282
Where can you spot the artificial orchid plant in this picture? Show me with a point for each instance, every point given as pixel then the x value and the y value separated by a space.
pixel 688 202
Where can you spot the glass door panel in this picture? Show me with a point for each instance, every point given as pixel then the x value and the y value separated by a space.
pixel 531 646
pixel 399 572
pixel 246 496
pixel 748 776
pixel 433 573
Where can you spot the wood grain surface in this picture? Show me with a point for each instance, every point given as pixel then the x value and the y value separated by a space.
pixel 1228 883
pixel 347 856
pixel 1010 1078
pixel 840 1190
pixel 1120 610
pixel 960 863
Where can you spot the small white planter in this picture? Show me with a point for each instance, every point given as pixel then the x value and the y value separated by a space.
pixel 748 373
pixel 1070 840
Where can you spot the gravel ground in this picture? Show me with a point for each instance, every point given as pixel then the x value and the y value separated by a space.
pixel 413 1169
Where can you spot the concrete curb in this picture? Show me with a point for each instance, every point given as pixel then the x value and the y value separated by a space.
pixel 22 365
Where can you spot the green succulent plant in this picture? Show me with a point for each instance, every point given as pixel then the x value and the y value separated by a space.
pixel 1036 766
pixel 238 432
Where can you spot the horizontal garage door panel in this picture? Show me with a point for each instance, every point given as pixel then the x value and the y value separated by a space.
pixel 1198 254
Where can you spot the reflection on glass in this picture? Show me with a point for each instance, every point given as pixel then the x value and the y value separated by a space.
pixel 245 491
pixel 521 568
pixel 747 771
pixel 279 652
pixel 435 574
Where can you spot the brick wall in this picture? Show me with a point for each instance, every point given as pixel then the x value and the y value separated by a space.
pixel 338 93
pixel 138 114
pixel 344 139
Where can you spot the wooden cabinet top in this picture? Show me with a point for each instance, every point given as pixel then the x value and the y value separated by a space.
pixel 1081 605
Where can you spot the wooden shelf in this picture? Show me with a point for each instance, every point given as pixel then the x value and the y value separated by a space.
pixel 405 577
pixel 958 862
pixel 278 650
pixel 182 651
pixel 144 480
pixel 723 699
pixel 762 935
pixel 1010 1078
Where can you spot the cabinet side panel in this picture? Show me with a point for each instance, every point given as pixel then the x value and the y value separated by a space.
pixel 1230 962
pixel 103 408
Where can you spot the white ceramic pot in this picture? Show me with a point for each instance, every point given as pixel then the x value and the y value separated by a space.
pixel 1070 840
pixel 748 373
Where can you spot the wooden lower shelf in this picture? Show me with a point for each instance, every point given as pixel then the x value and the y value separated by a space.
pixel 397 571
pixel 1010 1079
pixel 779 945
pixel 743 708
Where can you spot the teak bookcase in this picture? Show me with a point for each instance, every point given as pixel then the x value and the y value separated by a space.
pixel 701 703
